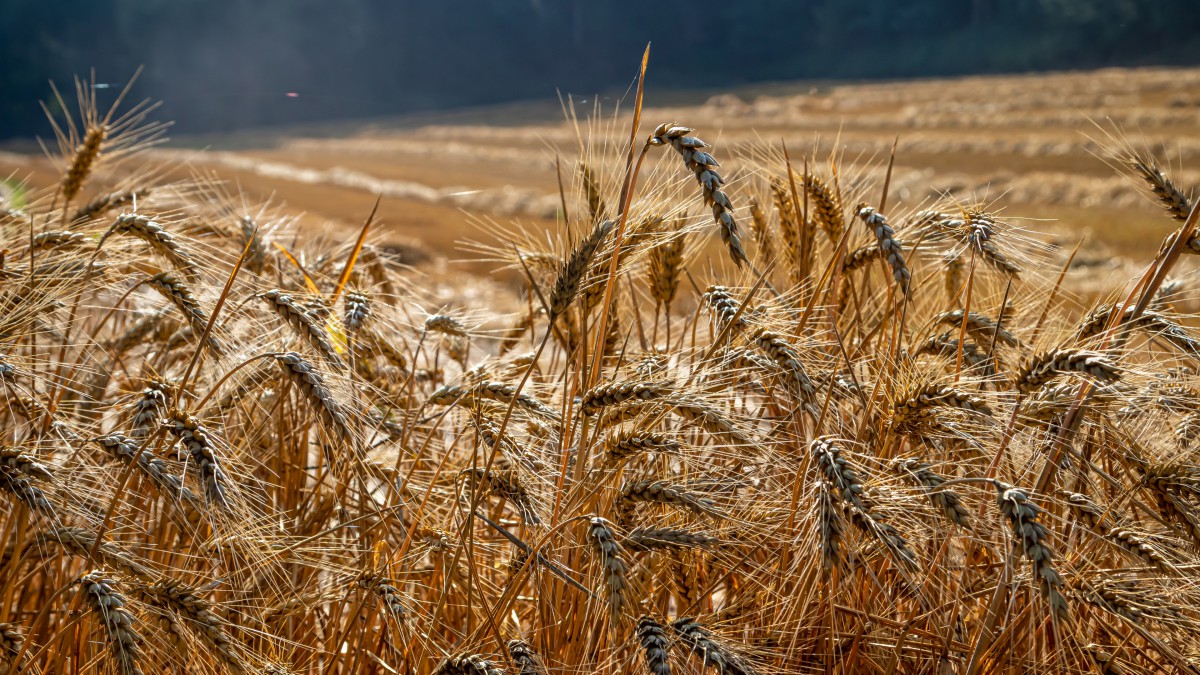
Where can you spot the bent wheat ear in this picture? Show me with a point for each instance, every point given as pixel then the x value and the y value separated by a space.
pixel 23 463
pixel 776 348
pixel 1043 367
pixel 150 407
pixel 1169 196
pixel 1137 547
pixel 25 491
pixel 650 538
pixel 724 307
pixel 948 348
pixel 110 607
pixel 653 637
pixel 389 595
pixel 829 524
pixel 983 329
pixel 505 393
pixel 312 388
pixel 58 240
pixel 713 652
pixel 446 325
pixel 526 660
pixel 1024 519
pixel 921 403
pixel 663 492
pixel 889 246
pixel 616 393
pixel 711 420
pixel 1107 596
pixel 202 454
pixel 837 470
pixel 111 201
pixel 624 444
pixel 200 615
pixel 125 449
pixel 468 664
pixel 506 485
pixel 158 238
pixel 18 470
pixel 304 324
pixel 612 565
pixel 12 642
pixel 80 542
pixel 874 526
pixel 861 257
pixel 703 164
pixel 945 500
pixel 974 229
pixel 180 294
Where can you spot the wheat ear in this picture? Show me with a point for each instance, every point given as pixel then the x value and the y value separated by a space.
pixel 526 660
pixel 703 164
pixel 200 615
pixel 652 636
pixel 179 293
pixel 84 160
pixel 468 664
pixel 885 238
pixel 202 454
pixel 304 324
pixel 572 270
pixel 1044 366
pixel 613 567
pixel 1024 519
pixel 158 238
pixel 713 653
pixel 110 607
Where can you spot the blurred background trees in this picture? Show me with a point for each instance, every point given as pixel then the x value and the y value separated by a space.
pixel 228 64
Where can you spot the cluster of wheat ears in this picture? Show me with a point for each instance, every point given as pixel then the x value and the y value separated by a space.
pixel 882 441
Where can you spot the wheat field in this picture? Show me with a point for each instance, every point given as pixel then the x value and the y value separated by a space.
pixel 752 386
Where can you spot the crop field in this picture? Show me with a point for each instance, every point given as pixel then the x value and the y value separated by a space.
pixel 1039 141
pixel 872 378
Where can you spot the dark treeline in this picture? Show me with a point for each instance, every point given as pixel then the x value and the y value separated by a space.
pixel 228 64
